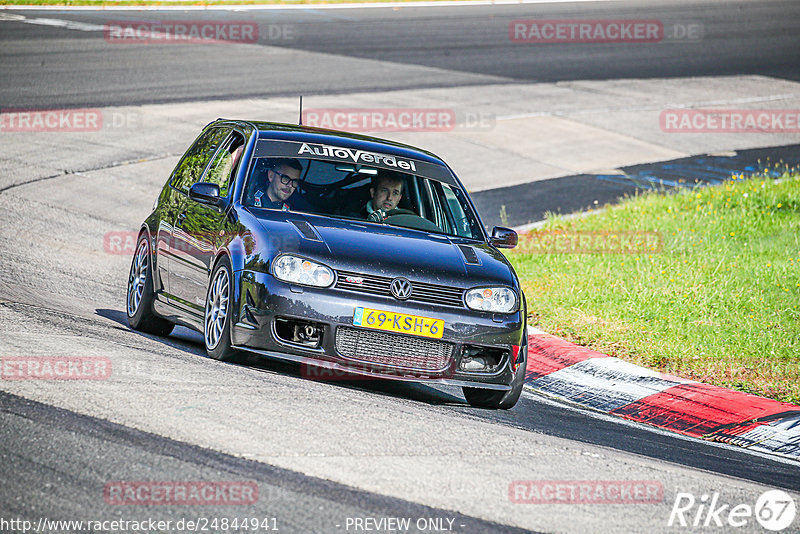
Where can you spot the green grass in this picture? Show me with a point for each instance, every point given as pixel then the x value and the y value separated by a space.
pixel 718 303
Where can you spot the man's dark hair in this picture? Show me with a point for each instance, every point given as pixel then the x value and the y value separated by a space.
pixel 388 176
pixel 287 162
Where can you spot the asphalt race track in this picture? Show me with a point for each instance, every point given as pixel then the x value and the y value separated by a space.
pixel 379 49
pixel 345 456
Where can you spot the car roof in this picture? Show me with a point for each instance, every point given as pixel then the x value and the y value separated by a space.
pixel 309 134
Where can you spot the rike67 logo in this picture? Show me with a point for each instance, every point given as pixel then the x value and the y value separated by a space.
pixel 774 510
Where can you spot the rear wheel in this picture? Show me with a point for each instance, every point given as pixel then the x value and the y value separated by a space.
pixel 140 293
pixel 503 400
pixel 217 317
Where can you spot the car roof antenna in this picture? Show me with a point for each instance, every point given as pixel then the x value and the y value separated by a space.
pixel 300 122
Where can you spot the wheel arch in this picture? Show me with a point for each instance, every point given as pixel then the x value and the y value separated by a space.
pixel 144 229
pixel 235 282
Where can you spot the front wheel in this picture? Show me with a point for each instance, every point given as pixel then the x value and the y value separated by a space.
pixel 217 317
pixel 503 400
pixel 139 303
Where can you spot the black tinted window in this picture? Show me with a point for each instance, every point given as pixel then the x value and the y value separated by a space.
pixel 191 167
pixel 225 163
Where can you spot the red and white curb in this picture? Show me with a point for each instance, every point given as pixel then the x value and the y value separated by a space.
pixel 594 380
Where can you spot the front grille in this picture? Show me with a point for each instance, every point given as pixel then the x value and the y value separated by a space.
pixel 393 349
pixel 379 285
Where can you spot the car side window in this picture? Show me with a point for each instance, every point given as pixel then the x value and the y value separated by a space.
pixel 456 220
pixel 225 163
pixel 194 162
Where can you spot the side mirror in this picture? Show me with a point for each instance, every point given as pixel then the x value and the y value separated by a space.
pixel 503 237
pixel 205 193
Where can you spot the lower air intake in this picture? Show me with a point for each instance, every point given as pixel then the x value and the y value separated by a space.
pixel 412 353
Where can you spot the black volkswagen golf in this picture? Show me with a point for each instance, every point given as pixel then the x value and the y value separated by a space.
pixel 338 251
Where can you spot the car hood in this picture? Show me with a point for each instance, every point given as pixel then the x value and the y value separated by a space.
pixel 391 251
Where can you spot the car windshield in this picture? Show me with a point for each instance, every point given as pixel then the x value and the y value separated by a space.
pixel 350 191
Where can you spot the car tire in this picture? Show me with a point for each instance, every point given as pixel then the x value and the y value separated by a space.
pixel 217 314
pixel 139 299
pixel 501 400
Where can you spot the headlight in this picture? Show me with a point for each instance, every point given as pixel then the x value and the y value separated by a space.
pixel 492 299
pixel 302 271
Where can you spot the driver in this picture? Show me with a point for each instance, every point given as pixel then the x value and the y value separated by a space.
pixel 386 192
pixel 284 177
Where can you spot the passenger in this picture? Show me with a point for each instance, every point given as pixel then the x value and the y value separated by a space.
pixel 386 192
pixel 284 177
pixel 237 147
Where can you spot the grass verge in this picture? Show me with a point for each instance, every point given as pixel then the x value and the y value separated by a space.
pixel 703 283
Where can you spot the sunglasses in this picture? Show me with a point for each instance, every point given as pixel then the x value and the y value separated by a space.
pixel 286 180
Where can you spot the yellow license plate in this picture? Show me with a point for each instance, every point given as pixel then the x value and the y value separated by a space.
pixel 398 322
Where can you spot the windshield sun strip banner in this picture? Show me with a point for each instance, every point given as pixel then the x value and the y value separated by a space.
pixel 354 156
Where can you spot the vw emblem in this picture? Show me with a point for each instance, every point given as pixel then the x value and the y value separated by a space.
pixel 400 288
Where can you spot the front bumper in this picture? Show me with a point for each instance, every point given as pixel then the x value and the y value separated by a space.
pixel 264 302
